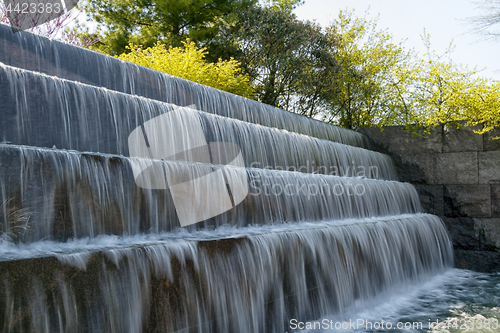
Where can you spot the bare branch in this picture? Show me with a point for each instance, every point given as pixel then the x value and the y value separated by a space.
pixel 487 24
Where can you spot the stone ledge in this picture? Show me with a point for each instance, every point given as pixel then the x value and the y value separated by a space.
pixel 462 139
pixel 431 197
pixel 395 140
pixel 489 143
pixel 463 233
pixel 495 200
pixel 488 231
pixel 415 169
pixel 456 173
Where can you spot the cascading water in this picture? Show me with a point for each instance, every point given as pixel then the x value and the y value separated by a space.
pixel 87 118
pixel 31 52
pixel 255 281
pixel 66 194
pixel 87 246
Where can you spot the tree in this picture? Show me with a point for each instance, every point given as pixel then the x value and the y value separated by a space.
pixel 445 92
pixel 373 77
pixel 284 6
pixel 287 59
pixel 144 22
pixel 379 83
pixel 189 62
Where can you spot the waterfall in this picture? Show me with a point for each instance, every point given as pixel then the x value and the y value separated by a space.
pixel 32 52
pixel 67 194
pixel 87 118
pixel 134 201
pixel 254 282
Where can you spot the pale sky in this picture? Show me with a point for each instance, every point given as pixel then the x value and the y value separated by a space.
pixel 444 20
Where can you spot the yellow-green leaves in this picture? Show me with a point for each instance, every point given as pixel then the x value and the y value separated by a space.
pixel 189 63
pixel 445 92
pixel 380 83
pixel 372 76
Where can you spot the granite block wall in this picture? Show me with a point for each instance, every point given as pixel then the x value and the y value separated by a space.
pixel 457 175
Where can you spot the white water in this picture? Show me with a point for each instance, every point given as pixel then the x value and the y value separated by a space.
pixel 85 246
pixel 58 194
pixel 451 302
pixel 84 249
pixel 234 285
pixel 71 102
pixel 87 118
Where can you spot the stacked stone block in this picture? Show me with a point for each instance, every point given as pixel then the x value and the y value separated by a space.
pixel 457 175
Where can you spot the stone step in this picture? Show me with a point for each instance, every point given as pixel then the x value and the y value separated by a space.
pixel 57 194
pixel 45 111
pixel 247 283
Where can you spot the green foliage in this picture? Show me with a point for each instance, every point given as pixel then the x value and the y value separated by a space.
pixel 445 92
pixel 189 63
pixel 352 74
pixel 284 6
pixel 372 77
pixel 287 59
pixel 144 22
